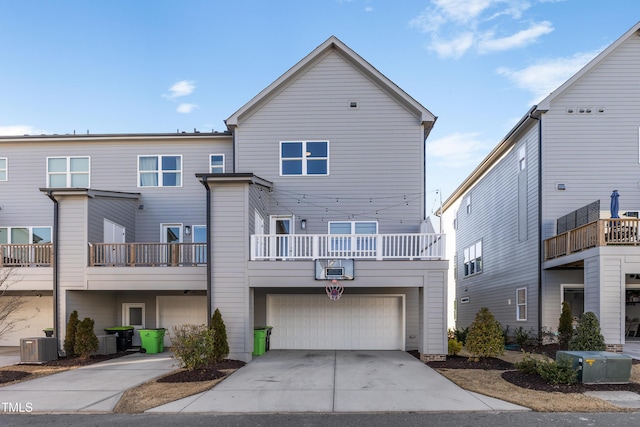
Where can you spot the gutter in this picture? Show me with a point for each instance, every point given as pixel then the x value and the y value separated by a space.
pixel 56 308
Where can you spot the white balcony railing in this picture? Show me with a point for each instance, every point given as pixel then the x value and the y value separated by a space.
pixel 352 246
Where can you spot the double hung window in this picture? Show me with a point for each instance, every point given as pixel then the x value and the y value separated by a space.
pixel 68 172
pixel 304 158
pixel 521 304
pixel 3 169
pixel 160 171
pixel 473 259
pixel 216 163
pixel 353 235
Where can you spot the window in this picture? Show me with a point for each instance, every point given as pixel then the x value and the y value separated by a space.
pixel 304 158
pixel 468 202
pixel 521 304
pixel 200 251
pixel 348 229
pixel 68 172
pixel 522 159
pixel 216 163
pixel 473 259
pixel 159 171
pixel 3 169
pixel 25 235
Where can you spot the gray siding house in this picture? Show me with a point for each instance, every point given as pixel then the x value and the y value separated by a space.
pixel 316 190
pixel 532 223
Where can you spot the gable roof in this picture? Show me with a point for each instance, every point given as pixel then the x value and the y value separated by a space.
pixel 333 44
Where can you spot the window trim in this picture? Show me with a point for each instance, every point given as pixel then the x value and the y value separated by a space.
pixel 30 230
pixel 523 304
pixel 68 172
pixel 522 159
pixel 5 169
pixel 304 158
pixel 476 262
pixel 211 166
pixel 468 203
pixel 160 171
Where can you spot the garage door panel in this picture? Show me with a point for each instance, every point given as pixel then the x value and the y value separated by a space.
pixel 354 322
pixel 34 315
pixel 180 310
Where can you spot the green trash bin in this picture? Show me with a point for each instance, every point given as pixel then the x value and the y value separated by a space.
pixel 152 340
pixel 259 341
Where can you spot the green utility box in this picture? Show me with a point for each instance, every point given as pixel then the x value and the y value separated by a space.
pixel 601 367
pixel 152 340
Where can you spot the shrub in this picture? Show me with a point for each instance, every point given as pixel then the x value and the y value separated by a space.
pixel 220 342
pixel 461 334
pixel 587 336
pixel 527 365
pixel 505 334
pixel 485 335
pixel 522 337
pixel 558 372
pixel 565 328
pixel 192 345
pixel 70 336
pixel 453 346
pixel 86 341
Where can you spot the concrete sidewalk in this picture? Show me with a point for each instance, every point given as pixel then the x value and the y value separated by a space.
pixel 336 381
pixel 92 388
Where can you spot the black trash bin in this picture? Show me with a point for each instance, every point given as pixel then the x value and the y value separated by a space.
pixel 124 336
pixel 268 339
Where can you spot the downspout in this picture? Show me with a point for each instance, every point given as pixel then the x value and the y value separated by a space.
pixel 56 309
pixel 208 245
pixel 540 246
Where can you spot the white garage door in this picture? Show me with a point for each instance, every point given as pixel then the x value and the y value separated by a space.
pixel 35 315
pixel 354 322
pixel 180 310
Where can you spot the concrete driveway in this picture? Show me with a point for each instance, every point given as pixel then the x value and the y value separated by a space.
pixel 336 381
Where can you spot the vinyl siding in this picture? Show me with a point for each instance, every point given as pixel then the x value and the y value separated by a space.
pixel 119 211
pixel 375 151
pixel 73 246
pixel 509 262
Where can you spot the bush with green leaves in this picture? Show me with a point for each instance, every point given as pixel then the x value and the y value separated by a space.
pixel 192 345
pixel 587 336
pixel 528 365
pixel 522 337
pixel 453 346
pixel 220 343
pixel 70 336
pixel 485 335
pixel 557 372
pixel 461 334
pixel 565 328
pixel 86 341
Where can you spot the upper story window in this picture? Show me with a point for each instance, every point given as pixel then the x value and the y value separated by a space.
pixel 473 259
pixel 468 203
pixel 348 228
pixel 4 173
pixel 304 158
pixel 522 159
pixel 25 235
pixel 160 171
pixel 216 163
pixel 68 172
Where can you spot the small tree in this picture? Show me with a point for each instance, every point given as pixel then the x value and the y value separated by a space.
pixel 588 336
pixel 565 328
pixel 220 343
pixel 485 335
pixel 70 337
pixel 86 339
pixel 192 345
pixel 9 304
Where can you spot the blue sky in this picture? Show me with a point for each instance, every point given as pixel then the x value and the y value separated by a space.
pixel 158 66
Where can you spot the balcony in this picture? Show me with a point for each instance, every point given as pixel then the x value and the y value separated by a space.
pixel 602 232
pixel 147 254
pixel 348 246
pixel 26 255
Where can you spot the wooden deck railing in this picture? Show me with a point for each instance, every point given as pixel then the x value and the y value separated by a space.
pixel 147 254
pixel 26 255
pixel 603 232
pixel 352 246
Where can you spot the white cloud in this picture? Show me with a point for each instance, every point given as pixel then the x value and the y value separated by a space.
pixel 181 88
pixel 458 150
pixel 544 77
pixel 368 9
pixel 445 20
pixel 514 41
pixel 186 108
pixel 20 130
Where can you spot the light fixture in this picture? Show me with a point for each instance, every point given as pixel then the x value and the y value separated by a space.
pixel 187 230
pixel 303 224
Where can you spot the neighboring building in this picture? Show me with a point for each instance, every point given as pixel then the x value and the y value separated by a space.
pixel 531 222
pixel 323 168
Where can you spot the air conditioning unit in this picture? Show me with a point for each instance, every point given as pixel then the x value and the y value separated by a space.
pixel 38 350
pixel 107 345
pixel 599 366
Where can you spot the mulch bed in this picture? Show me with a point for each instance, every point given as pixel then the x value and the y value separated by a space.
pixel 208 373
pixel 531 382
pixel 9 376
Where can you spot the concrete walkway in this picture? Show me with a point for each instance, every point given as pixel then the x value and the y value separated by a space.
pixel 336 381
pixel 93 388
